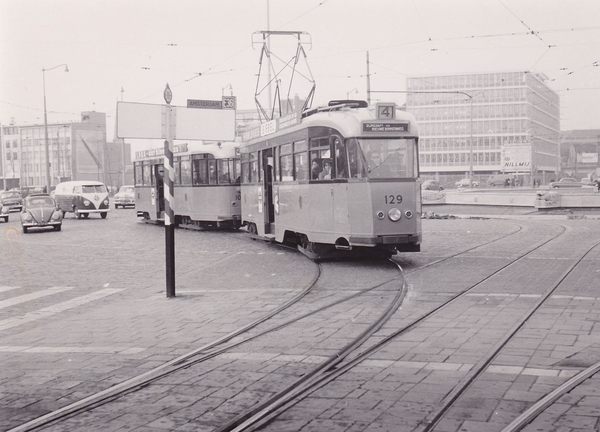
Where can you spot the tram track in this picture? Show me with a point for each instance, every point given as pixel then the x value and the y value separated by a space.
pixel 210 350
pixel 199 355
pixel 260 416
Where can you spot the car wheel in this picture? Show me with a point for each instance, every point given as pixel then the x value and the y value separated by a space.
pixel 86 215
pixel 24 230
pixel 116 206
pixel 103 215
pixel 5 218
pixel 57 227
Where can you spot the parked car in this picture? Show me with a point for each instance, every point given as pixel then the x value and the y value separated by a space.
pixel 566 182
pixel 498 179
pixel 11 199
pixel 40 211
pixel 125 197
pixel 431 185
pixel 4 213
pixel 466 183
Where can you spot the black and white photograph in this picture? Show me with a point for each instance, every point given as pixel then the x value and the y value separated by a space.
pixel 300 216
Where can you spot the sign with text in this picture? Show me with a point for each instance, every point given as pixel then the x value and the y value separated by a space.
pixel 148 121
pixel 516 158
pixel 385 127
pixel 271 126
pixel 226 102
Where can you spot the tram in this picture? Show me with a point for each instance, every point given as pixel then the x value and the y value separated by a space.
pixel 206 185
pixel 335 180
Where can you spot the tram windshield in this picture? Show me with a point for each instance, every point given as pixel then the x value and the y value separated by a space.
pixel 387 158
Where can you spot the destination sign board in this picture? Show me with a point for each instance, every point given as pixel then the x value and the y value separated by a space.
pixel 271 126
pixel 385 127
pixel 157 152
pixel 226 102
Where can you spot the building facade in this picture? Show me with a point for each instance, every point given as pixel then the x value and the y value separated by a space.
pixel 580 151
pixel 484 124
pixel 76 151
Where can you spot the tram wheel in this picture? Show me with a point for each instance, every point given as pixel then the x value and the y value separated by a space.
pixel 252 229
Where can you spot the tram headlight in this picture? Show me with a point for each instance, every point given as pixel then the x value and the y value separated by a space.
pixel 394 214
pixel 408 214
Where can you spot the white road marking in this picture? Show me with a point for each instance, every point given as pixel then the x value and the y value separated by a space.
pixel 71 350
pixel 8 288
pixel 54 309
pixel 32 296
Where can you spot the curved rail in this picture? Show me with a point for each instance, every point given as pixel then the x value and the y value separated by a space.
pixel 484 363
pixel 255 414
pixel 159 371
pixel 541 405
pixel 264 414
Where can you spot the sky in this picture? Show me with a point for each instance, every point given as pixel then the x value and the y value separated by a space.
pixel 130 49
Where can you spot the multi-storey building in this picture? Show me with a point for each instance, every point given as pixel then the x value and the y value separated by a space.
pixel 581 153
pixel 487 123
pixel 76 151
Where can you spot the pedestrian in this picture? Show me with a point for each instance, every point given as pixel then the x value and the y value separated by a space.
pixel 598 185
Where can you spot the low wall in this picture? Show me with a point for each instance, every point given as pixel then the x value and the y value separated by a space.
pixel 536 198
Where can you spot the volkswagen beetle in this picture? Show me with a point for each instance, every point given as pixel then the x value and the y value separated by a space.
pixel 40 211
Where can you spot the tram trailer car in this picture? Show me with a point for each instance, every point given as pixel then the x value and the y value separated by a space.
pixel 83 197
pixel 206 186
pixel 342 181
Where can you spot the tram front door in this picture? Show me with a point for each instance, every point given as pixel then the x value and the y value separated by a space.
pixel 159 171
pixel 269 208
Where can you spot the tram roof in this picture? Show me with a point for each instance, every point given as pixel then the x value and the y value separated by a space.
pixel 219 149
pixel 347 120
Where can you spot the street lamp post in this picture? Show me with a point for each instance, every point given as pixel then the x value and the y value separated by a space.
pixel 48 183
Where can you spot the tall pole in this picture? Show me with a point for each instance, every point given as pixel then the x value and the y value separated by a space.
pixel 168 179
pixel 368 81
pixel 122 150
pixel 46 135
pixel 471 145
pixel 48 183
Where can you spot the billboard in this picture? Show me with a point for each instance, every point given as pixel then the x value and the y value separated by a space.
pixel 516 157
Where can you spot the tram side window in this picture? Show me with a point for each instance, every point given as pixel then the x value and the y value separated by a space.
pixel 223 168
pixel 199 172
pixel 286 162
pixel 301 160
pixel 212 171
pixel 137 172
pixel 253 165
pixel 186 171
pixel 147 175
pixel 177 166
pixel 245 168
pixel 319 150
pixel 356 159
pixel 341 159
pixel 237 169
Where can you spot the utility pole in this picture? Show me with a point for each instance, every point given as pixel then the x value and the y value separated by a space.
pixel 368 81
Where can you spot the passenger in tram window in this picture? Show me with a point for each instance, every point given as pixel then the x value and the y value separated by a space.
pixel 326 173
pixel 315 170
pixel 212 173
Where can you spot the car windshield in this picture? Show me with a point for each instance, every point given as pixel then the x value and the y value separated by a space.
pixel 40 202
pixel 10 195
pixel 93 189
pixel 127 189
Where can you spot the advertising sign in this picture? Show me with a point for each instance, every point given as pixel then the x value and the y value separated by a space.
pixel 516 157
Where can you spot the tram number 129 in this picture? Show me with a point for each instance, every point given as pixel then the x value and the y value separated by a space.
pixel 393 199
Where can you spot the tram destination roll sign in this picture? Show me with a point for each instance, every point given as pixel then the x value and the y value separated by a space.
pixel 385 127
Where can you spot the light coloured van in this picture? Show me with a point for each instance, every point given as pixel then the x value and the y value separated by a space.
pixel 82 198
pixel 498 179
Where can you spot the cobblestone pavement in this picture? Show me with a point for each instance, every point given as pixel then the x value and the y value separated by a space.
pixel 85 308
